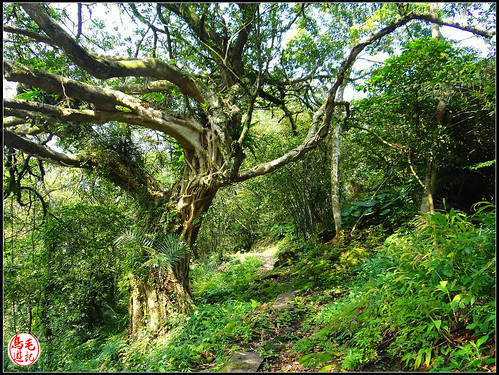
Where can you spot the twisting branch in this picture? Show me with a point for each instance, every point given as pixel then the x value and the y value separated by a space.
pixel 166 31
pixel 144 88
pixel 119 169
pixel 471 29
pixel 413 171
pixel 103 67
pixel 281 103
pixel 382 140
pixel 80 21
pixel 254 95
pixel 186 132
pixel 31 34
pixel 319 129
pixel 42 152
pixel 107 104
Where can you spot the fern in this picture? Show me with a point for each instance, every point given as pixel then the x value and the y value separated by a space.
pixel 137 237
pixel 164 252
pixel 167 251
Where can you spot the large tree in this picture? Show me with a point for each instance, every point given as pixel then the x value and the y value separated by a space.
pixel 193 76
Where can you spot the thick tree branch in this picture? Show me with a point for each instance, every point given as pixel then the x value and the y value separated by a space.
pixel 312 139
pixel 144 88
pixel 107 104
pixel 196 24
pixel 227 56
pixel 67 87
pixel 42 152
pixel 248 11
pixel 101 67
pixel 471 29
pixel 318 130
pixel 182 130
pixel 23 109
pixel 121 171
pixel 31 34
pixel 11 121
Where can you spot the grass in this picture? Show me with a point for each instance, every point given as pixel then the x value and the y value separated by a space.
pixel 422 299
pixel 426 298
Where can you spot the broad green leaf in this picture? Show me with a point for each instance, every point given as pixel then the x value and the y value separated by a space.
pixel 438 323
pixel 27 95
pixel 481 340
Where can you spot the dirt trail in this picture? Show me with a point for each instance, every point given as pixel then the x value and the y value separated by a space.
pixel 268 255
pixel 250 361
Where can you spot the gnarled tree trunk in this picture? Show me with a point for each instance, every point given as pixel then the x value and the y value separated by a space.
pixel 154 297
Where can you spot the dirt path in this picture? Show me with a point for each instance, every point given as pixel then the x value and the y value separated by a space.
pixel 268 255
pixel 250 361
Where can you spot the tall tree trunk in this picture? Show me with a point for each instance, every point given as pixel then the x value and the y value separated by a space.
pixel 335 156
pixel 427 204
pixel 155 296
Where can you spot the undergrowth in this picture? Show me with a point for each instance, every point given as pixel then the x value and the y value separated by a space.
pixel 426 298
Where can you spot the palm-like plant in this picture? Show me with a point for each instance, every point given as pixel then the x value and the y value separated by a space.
pixel 164 251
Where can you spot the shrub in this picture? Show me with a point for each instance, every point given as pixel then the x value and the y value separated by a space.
pixel 426 283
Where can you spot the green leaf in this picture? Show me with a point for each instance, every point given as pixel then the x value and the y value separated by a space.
pixel 437 323
pixel 327 368
pixel 306 358
pixel 159 97
pixel 428 357
pixel 481 340
pixel 419 359
pixel 366 204
pixel 254 304
pixel 26 95
pixel 443 286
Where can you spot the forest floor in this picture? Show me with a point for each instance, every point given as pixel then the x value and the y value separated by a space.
pixel 285 361
pixel 267 254
pixel 281 341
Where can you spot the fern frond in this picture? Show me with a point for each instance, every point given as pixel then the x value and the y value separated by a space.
pixel 139 237
pixel 170 250
pixel 163 252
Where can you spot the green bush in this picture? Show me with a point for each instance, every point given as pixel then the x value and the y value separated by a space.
pixel 424 284
pixel 233 281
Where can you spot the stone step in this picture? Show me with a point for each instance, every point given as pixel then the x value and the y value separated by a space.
pixel 243 362
pixel 284 300
pixel 250 361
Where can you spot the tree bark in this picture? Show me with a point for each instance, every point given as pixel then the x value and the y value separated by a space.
pixel 427 204
pixel 154 297
pixel 335 156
